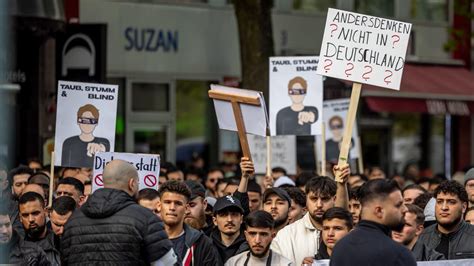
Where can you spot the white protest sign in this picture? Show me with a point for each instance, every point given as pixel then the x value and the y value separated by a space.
pixel 296 96
pixel 283 153
pixel 147 165
pixel 254 117
pixel 85 122
pixel 335 113
pixel 364 49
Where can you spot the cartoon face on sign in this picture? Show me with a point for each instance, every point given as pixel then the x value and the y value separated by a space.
pixel 79 150
pixel 297 118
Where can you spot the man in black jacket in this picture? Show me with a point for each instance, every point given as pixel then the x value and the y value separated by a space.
pixel 192 246
pixel 408 236
pixel 111 228
pixel 370 243
pixel 13 249
pixel 451 236
pixel 228 236
pixel 33 217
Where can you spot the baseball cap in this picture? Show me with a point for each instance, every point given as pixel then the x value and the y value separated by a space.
pixel 197 190
pixel 227 202
pixel 469 175
pixel 284 180
pixel 281 193
pixel 39 178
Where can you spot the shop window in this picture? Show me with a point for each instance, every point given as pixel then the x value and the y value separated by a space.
pixel 406 140
pixel 429 10
pixel 314 5
pixel 377 8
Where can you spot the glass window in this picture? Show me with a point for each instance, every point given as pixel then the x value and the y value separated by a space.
pixel 314 5
pixel 406 140
pixel 150 97
pixel 150 141
pixel 379 8
pixel 429 10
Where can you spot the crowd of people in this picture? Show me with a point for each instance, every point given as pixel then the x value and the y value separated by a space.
pixel 230 216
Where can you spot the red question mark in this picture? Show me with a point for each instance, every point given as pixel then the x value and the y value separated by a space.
pixel 368 70
pixel 327 67
pixel 349 69
pixel 386 78
pixel 334 27
pixel 395 39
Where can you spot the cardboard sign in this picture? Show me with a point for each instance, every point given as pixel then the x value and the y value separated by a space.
pixel 335 113
pixel 364 49
pixel 296 96
pixel 283 153
pixel 240 110
pixel 85 122
pixel 147 165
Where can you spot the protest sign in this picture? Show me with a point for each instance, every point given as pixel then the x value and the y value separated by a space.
pixel 283 153
pixel 364 49
pixel 240 110
pixel 85 122
pixel 296 96
pixel 335 113
pixel 147 165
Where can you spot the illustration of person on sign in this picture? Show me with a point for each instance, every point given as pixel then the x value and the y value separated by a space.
pixel 79 151
pixel 333 144
pixel 297 118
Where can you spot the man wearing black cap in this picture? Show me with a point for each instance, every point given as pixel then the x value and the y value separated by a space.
pixel 277 202
pixel 228 236
pixel 196 213
pixel 191 245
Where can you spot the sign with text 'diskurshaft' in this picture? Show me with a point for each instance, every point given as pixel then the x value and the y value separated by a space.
pixel 147 165
pixel 364 49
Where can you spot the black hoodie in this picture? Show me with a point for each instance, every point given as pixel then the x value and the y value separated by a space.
pixel 240 245
pixel 110 228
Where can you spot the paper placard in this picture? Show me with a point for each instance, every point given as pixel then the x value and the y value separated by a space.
pixel 254 117
pixel 147 165
pixel 296 96
pixel 364 49
pixel 335 113
pixel 85 122
pixel 283 153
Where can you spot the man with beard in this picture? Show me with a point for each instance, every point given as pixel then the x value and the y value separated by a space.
pixel 196 213
pixel 13 249
pixel 301 239
pixel 259 232
pixel 277 202
pixel 192 246
pixel 408 236
pixel 370 243
pixel 227 236
pixel 112 228
pixel 452 236
pixel 33 217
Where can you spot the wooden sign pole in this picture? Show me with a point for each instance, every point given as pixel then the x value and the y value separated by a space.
pixel 269 156
pixel 236 101
pixel 350 119
pixel 323 149
pixel 51 182
pixel 360 161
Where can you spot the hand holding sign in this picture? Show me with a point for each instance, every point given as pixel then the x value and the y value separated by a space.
pixel 247 167
pixel 341 172
pixel 305 117
pixel 93 148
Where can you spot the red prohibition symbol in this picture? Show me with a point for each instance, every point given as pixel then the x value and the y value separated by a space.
pixel 98 180
pixel 150 180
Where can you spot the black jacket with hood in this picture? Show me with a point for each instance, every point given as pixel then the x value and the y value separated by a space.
pixel 111 229
pixel 20 252
pixel 240 245
pixel 199 249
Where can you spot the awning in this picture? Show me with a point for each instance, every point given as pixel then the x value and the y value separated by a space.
pixel 430 89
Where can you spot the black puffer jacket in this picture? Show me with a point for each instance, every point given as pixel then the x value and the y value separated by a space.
pixel 111 229
pixel 20 252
